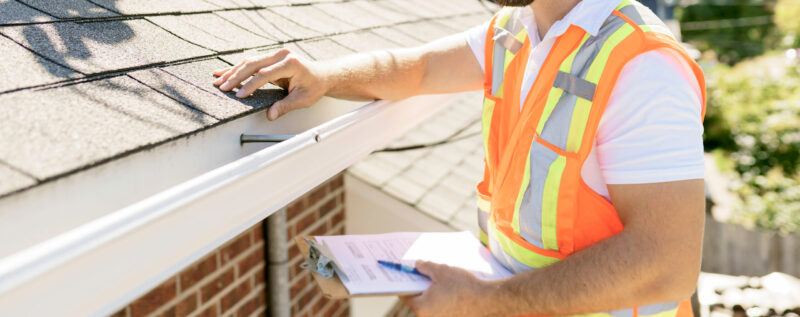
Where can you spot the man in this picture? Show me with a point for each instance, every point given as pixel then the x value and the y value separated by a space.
pixel 593 190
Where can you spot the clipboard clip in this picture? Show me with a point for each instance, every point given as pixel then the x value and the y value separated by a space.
pixel 317 261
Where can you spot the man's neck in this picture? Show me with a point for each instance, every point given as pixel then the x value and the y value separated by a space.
pixel 549 11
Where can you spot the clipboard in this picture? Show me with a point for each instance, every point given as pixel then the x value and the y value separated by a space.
pixel 333 288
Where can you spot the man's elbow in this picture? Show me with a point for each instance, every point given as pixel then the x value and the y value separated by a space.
pixel 677 282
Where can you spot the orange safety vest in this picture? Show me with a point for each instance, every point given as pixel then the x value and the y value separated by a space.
pixel 534 208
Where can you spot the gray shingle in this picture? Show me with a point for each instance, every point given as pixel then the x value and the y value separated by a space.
pixel 70 8
pixel 129 7
pixel 314 18
pixel 210 31
pixel 103 46
pixel 234 4
pixel 199 75
pixel 424 31
pixel 384 13
pixel 397 36
pixel 11 180
pixel 17 60
pixel 236 58
pixel 364 41
pixel 12 11
pixel 268 24
pixel 354 14
pixel 49 132
pixel 323 49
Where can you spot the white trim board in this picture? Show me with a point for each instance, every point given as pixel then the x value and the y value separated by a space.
pixel 98 267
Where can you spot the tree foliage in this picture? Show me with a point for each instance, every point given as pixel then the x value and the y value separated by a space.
pixel 753 124
pixel 733 29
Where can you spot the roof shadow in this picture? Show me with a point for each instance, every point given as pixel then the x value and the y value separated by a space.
pixel 60 38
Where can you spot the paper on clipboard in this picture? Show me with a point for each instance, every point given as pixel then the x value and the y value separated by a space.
pixel 356 260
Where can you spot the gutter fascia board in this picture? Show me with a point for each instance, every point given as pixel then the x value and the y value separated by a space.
pixel 101 266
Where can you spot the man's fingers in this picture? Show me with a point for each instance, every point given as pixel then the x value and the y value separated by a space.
pixel 249 67
pixel 227 74
pixel 221 71
pixel 295 99
pixel 428 268
pixel 264 76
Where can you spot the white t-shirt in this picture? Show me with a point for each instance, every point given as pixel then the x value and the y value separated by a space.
pixel 651 130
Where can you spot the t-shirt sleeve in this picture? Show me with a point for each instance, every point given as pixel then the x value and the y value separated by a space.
pixel 652 129
pixel 476 38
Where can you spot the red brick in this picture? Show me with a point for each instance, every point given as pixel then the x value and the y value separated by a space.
pixel 199 270
pixel 258 233
pixel 338 217
pixel 211 311
pixel 248 308
pixel 234 248
pixel 327 207
pixel 338 181
pixel 320 230
pixel 305 222
pixel 259 278
pixel 155 299
pixel 319 305
pixel 294 252
pixel 296 288
pixel 254 258
pixel 213 288
pixel 169 312
pixel 186 306
pixel 332 309
pixel 318 194
pixel 296 208
pixel 341 198
pixel 235 295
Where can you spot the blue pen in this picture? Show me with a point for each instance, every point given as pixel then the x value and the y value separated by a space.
pixel 401 268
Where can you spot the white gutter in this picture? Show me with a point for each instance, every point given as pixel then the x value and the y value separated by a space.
pixel 99 267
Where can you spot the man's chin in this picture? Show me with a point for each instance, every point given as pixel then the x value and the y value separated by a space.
pixel 513 3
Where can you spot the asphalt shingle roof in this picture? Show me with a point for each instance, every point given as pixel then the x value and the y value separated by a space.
pixel 438 181
pixel 84 82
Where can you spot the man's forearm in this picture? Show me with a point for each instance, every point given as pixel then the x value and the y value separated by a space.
pixel 392 75
pixel 442 66
pixel 616 273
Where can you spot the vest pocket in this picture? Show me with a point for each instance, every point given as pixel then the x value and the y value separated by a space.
pixel 537 209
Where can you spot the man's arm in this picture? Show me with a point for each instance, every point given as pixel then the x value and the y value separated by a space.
pixel 656 258
pixel 443 66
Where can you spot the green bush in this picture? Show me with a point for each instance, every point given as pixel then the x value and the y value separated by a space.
pixel 753 124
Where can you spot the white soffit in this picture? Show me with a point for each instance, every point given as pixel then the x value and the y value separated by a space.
pixel 101 265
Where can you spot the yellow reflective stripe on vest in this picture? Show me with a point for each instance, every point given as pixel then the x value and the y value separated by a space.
pixel 526 178
pixel 524 256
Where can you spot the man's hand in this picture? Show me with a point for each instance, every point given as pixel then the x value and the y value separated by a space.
pixel 444 66
pixel 302 78
pixel 454 292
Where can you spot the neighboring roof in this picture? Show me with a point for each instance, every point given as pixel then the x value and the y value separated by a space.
pixel 438 181
pixel 86 82
pixel 774 294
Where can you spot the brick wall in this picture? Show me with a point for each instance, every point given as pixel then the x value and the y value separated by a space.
pixel 230 281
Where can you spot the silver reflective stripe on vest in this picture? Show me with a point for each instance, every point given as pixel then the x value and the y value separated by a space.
pixel 574 85
pixel 507 40
pixel 656 308
pixel 498 67
pixel 588 52
pixel 530 221
pixel 483 221
pixel 556 129
pixel 627 312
